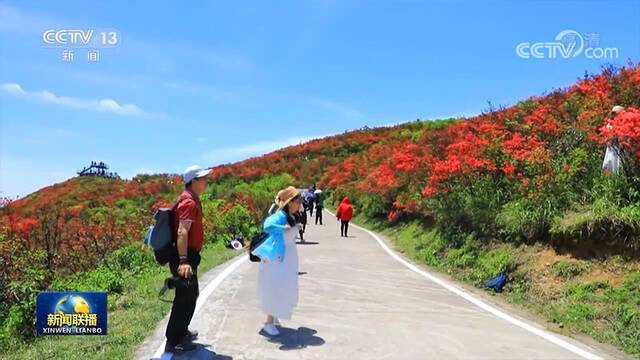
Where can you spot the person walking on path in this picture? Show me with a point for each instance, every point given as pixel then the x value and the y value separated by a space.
pixel 184 263
pixel 309 201
pixel 312 198
pixel 344 213
pixel 319 205
pixel 302 220
pixel 277 285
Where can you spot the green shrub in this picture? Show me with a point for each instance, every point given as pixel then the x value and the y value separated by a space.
pixel 17 326
pixel 132 258
pixel 604 222
pixel 372 205
pixel 579 312
pixel 111 277
pixel 101 278
pixel 569 269
pixel 16 323
pixel 588 291
pixel 523 220
pixel 430 247
pixel 496 261
pixel 469 207
pixel 226 224
pixel 626 326
pixel 464 256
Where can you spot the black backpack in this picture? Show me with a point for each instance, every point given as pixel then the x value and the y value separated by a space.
pixel 161 236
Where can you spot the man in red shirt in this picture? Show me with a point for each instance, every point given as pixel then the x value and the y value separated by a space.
pixel 184 265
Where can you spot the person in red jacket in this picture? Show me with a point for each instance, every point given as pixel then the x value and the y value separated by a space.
pixel 344 213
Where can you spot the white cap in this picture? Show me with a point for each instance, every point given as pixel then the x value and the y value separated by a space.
pixel 193 172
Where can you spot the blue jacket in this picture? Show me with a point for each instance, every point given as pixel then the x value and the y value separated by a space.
pixel 272 248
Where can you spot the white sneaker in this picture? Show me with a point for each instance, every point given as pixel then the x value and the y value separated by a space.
pixel 271 330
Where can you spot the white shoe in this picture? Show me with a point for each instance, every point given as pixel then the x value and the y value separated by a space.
pixel 270 329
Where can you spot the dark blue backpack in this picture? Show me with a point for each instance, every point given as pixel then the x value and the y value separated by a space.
pixel 497 282
pixel 161 236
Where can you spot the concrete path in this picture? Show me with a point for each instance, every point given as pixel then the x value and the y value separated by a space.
pixel 358 302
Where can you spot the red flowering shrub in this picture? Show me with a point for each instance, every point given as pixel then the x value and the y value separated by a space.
pixel 543 121
pixel 596 88
pixel 625 127
pixel 528 149
pixel 547 150
pixel 524 165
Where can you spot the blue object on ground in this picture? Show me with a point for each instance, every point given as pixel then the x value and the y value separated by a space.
pixel 497 282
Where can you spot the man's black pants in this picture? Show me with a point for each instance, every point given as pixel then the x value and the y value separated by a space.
pixel 184 302
pixel 318 215
pixel 344 227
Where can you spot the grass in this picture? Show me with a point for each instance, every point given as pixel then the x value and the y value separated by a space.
pixel 133 313
pixel 610 313
pixel 568 269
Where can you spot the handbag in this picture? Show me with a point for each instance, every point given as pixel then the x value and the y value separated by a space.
pixel 271 249
pixel 269 244
pixel 255 241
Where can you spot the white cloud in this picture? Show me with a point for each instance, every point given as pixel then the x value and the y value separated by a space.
pixel 13 89
pixel 237 153
pixel 99 105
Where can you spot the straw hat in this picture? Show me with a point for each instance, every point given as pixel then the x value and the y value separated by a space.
pixel 285 196
pixel 616 109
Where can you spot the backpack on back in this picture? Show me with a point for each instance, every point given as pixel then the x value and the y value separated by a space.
pixel 161 236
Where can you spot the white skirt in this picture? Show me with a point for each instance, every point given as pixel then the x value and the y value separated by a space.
pixel 611 160
pixel 278 281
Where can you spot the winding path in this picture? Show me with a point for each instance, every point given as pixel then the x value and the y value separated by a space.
pixel 360 300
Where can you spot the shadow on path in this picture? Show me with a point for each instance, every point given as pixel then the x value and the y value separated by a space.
pixel 200 353
pixel 292 339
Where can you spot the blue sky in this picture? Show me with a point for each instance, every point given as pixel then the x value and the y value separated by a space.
pixel 211 82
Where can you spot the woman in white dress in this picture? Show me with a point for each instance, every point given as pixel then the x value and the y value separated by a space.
pixel 612 162
pixel 278 280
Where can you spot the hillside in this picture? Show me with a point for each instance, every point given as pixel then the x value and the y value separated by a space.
pixel 519 189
